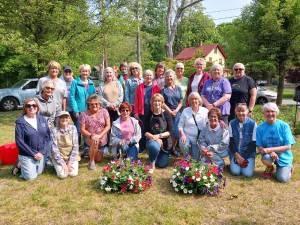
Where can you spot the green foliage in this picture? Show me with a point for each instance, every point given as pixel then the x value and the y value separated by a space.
pixel 261 70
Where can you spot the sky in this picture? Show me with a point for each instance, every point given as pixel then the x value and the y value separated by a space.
pixel 233 8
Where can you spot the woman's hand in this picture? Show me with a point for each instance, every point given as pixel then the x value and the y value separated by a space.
pixel 38 156
pixel 77 115
pixel 239 159
pixel 183 138
pixel 263 150
pixel 95 138
pixel 173 113
pixel 209 106
pixel 209 154
pixel 274 156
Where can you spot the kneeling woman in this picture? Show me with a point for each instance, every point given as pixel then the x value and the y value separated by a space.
pixel 242 143
pixel 94 126
pixel 125 133
pixel 159 142
pixel 214 139
pixel 65 154
pixel 274 139
pixel 32 138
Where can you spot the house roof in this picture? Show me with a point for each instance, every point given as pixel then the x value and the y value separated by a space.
pixel 188 53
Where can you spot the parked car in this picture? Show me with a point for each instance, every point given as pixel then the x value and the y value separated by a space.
pixel 265 95
pixel 13 97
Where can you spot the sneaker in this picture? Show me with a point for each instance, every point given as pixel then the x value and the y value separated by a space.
pixel 92 165
pixel 268 173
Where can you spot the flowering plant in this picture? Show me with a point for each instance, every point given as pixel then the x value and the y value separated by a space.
pixel 125 176
pixel 191 176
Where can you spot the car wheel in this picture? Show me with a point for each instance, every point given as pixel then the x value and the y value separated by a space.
pixel 261 100
pixel 9 103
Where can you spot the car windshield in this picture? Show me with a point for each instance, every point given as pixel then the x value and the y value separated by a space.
pixel 19 84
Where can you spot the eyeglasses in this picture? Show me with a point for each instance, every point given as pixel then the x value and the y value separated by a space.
pixel 49 88
pixel 238 69
pixel 68 71
pixel 124 110
pixel 134 68
pixel 28 106
pixel 93 104
pixel 179 68
pixel 199 64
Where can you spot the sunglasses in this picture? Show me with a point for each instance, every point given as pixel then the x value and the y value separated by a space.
pixel 68 71
pixel 134 68
pixel 28 106
pixel 49 88
pixel 125 110
pixel 179 68
pixel 238 69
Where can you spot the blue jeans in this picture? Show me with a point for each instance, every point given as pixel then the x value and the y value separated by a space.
pixel 132 152
pixel 248 171
pixel 160 158
pixel 31 168
pixel 283 173
pixel 175 122
pixel 190 148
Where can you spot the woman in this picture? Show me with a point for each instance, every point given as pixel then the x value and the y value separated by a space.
pixel 60 94
pixel 243 89
pixel 123 74
pixel 48 107
pixel 274 139
pixel 125 133
pixel 159 77
pixel 65 154
pixel 173 103
pixel 111 93
pixel 192 121
pixel 197 79
pixel 242 145
pixel 214 140
pixel 217 92
pixel 32 137
pixel 158 135
pixel 181 81
pixel 135 79
pixel 80 90
pixel 142 105
pixel 94 126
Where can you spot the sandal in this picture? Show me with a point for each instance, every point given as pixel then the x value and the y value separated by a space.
pixel 268 173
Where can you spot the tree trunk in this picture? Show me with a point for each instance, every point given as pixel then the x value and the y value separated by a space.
pixel 280 87
pixel 138 35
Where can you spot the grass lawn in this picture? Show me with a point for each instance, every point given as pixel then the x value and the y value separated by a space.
pixel 49 200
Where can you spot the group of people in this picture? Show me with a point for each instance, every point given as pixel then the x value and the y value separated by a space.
pixel 204 117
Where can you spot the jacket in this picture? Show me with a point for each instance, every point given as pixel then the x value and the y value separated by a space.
pixel 204 78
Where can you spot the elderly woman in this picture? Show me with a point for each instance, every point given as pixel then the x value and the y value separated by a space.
pixel 192 121
pixel 123 74
pixel 48 107
pixel 217 92
pixel 142 105
pixel 274 139
pixel 65 154
pixel 125 133
pixel 135 79
pixel 181 81
pixel 158 135
pixel 173 103
pixel 159 75
pixel 197 79
pixel 242 145
pixel 32 137
pixel 94 126
pixel 243 89
pixel 60 93
pixel 214 140
pixel 111 93
pixel 80 90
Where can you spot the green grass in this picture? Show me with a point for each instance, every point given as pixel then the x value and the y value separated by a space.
pixel 78 200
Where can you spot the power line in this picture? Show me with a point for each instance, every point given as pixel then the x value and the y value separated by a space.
pixel 229 17
pixel 223 10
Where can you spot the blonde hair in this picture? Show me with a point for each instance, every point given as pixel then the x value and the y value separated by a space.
pixel 109 69
pixel 135 64
pixel 85 67
pixel 195 95
pixel 157 96
pixel 198 60
pixel 149 72
pixel 54 64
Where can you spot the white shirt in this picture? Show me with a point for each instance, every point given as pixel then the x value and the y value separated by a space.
pixel 187 123
pixel 32 121
pixel 195 82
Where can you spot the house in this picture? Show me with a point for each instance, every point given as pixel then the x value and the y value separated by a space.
pixel 212 53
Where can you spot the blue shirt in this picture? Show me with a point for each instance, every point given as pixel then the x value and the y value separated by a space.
pixel 172 96
pixel 275 135
pixel 130 86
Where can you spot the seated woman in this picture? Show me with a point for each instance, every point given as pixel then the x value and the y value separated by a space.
pixel 242 145
pixel 94 126
pixel 159 142
pixel 214 140
pixel 32 137
pixel 192 121
pixel 125 133
pixel 65 154
pixel 274 139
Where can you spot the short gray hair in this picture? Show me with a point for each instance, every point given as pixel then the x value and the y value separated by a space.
pixel 240 65
pixel 149 72
pixel 270 106
pixel 216 66
pixel 170 72
pixel 48 83
pixel 195 95
pixel 179 65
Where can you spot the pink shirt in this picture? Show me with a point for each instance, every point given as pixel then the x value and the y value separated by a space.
pixel 95 123
pixel 127 129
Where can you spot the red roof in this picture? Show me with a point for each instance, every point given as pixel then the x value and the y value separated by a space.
pixel 188 53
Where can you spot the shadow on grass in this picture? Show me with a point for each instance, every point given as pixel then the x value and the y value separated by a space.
pixel 6 173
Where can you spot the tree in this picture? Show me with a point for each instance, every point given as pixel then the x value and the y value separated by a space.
pixel 175 12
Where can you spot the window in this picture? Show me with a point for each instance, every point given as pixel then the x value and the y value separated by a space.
pixel 210 59
pixel 216 50
pixel 30 85
pixel 220 61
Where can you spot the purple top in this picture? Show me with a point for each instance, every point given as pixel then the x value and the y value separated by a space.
pixel 214 90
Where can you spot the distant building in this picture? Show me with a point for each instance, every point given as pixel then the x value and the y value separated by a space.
pixel 213 53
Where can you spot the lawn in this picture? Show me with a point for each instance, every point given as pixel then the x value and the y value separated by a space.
pixel 49 200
